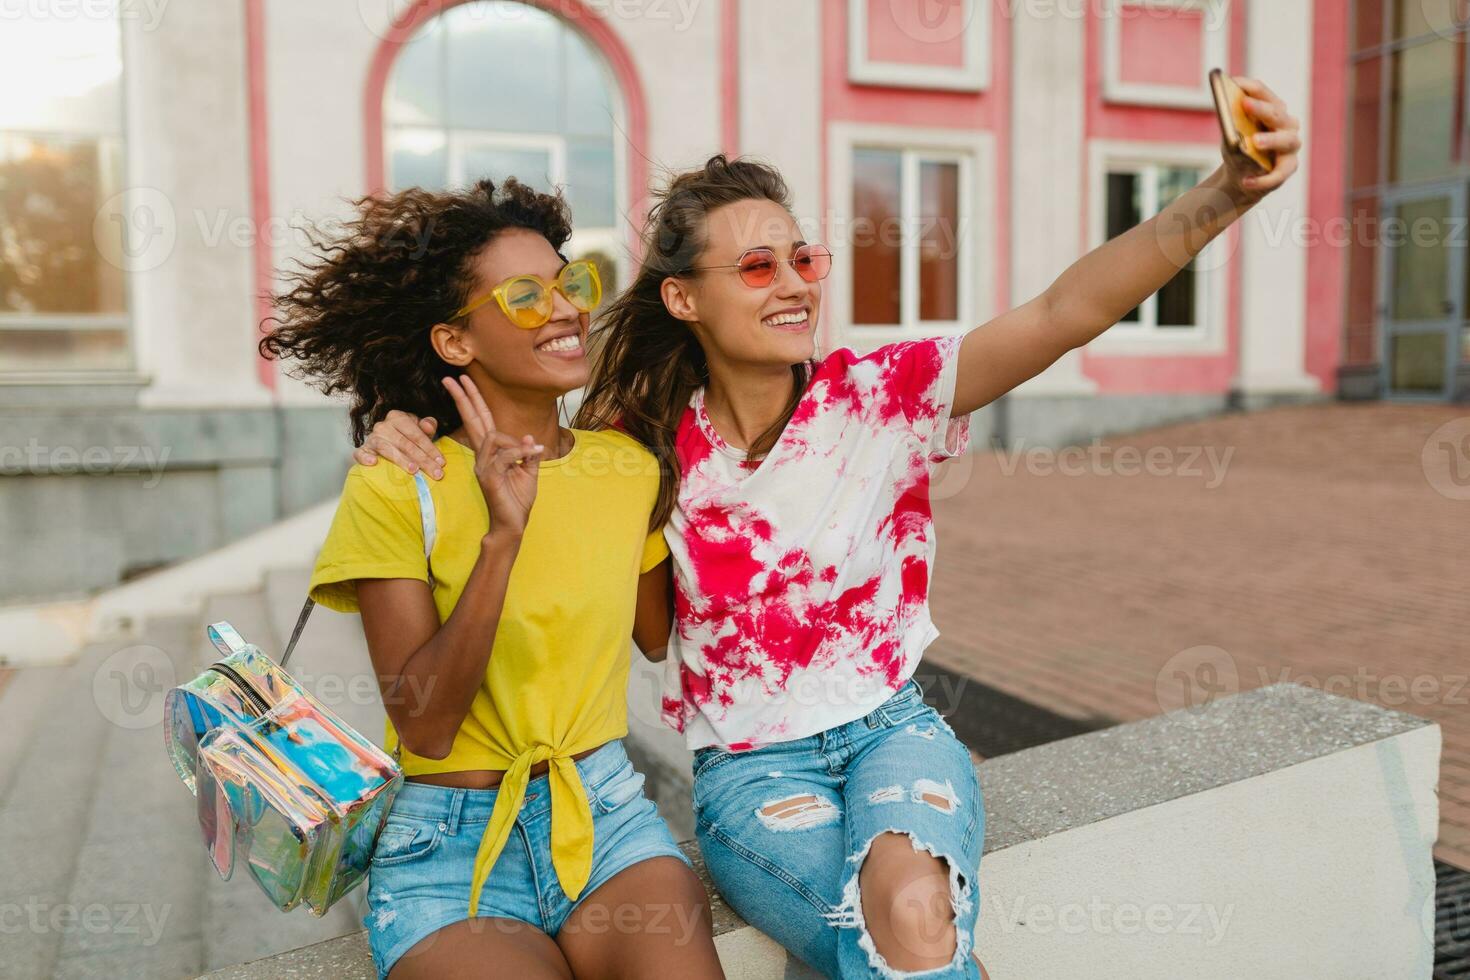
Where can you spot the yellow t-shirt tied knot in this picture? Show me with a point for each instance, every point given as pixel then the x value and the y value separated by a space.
pixel 571 821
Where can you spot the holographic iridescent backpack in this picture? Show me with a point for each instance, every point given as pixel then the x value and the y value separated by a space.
pixel 282 785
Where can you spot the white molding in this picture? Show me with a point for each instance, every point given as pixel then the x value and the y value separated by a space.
pixel 1048 160
pixel 226 394
pixel 791 136
pixel 193 297
pixel 1207 338
pixel 975 152
pixel 63 322
pixel 1274 269
pixel 1215 54
pixel 973 76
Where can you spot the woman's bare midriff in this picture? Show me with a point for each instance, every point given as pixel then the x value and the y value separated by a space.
pixel 484 778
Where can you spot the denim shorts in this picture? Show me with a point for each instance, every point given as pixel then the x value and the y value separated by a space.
pixel 419 880
pixel 794 874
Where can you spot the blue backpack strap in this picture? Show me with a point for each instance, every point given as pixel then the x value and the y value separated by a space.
pixel 428 519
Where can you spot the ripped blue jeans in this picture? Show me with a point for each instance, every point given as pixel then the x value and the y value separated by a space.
pixel 784 830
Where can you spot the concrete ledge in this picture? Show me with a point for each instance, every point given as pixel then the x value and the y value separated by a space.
pixel 1280 833
pixel 94 494
pixel 53 633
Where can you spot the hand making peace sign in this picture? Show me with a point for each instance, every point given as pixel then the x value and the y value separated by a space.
pixel 505 467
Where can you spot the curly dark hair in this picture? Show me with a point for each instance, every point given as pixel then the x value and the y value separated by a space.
pixel 357 317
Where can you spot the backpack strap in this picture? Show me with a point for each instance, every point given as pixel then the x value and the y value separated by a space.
pixel 301 619
pixel 226 638
pixel 427 519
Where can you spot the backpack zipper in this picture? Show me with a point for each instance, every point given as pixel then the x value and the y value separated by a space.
pixel 244 687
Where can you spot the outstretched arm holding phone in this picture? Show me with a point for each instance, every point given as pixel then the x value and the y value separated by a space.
pixel 1099 289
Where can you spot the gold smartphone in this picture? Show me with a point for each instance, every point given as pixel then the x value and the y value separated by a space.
pixel 1237 125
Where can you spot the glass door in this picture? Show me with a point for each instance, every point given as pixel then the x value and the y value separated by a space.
pixel 1424 282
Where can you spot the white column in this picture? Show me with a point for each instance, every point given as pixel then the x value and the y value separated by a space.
pixel 781 95
pixel 191 267
pixel 317 164
pixel 1048 161
pixel 675 47
pixel 1273 307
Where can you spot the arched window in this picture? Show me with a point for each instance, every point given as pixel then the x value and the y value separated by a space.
pixel 496 89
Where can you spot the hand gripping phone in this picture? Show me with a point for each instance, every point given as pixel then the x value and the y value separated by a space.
pixel 1236 125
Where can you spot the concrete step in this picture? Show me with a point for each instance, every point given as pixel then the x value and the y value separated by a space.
pixel 24 699
pixel 86 837
pixel 139 853
pixel 285 591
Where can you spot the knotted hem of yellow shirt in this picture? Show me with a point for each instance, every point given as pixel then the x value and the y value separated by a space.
pixel 571 821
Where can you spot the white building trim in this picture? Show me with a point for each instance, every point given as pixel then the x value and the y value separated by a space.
pixel 1273 295
pixel 1048 106
pixel 972 76
pixel 193 290
pixel 1215 52
pixel 780 97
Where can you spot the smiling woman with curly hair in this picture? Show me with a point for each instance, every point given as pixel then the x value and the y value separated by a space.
pixel 358 317
pixel 504 671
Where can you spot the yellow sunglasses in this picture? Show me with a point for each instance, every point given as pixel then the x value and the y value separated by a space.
pixel 526 300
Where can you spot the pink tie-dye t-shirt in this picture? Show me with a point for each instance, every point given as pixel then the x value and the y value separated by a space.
pixel 802 584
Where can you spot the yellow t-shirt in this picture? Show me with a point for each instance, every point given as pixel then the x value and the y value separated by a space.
pixel 556 683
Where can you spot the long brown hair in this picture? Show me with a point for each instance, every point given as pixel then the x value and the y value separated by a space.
pixel 647 363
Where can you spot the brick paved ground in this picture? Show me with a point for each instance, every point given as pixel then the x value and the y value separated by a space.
pixel 1323 556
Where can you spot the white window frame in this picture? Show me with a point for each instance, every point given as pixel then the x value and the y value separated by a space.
pixel 1208 335
pixel 972 76
pixel 1215 53
pixel 975 152
pixel 463 140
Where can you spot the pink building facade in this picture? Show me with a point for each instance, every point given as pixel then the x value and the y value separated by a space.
pixel 957 155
